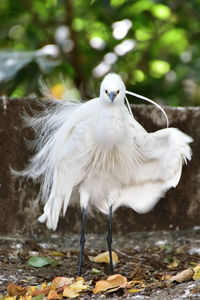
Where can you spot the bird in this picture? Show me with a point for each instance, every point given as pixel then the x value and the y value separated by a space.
pixel 97 150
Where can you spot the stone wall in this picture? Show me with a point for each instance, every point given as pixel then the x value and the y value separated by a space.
pixel 179 209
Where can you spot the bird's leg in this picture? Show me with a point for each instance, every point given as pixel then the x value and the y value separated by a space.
pixel 109 239
pixel 82 241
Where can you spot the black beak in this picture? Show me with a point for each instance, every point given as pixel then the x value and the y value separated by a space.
pixel 112 96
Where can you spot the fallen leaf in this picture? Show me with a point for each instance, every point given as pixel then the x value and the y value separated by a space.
pixel 15 290
pixel 196 270
pixel 167 247
pixel 181 249
pixel 79 286
pixel 11 298
pixel 102 286
pixel 113 282
pixel 135 290
pixel 168 260
pixel 43 286
pixel 55 253
pixel 128 285
pixel 62 281
pixel 70 293
pixel 95 271
pixel 32 288
pixel 39 297
pixel 174 264
pixel 104 258
pixel 166 277
pixel 53 295
pixel 45 292
pixel 27 298
pixel 135 282
pixel 193 264
pixel 80 278
pixel 41 261
pixel 183 276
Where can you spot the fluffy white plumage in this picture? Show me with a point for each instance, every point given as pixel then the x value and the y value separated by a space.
pixel 100 150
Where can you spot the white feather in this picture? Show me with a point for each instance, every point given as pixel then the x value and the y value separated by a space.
pixel 100 150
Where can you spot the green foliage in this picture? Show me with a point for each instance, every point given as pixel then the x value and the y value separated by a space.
pixel 154 45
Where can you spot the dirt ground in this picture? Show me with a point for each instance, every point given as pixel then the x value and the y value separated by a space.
pixel 144 256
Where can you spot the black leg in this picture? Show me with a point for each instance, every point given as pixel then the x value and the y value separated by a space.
pixel 109 240
pixel 82 241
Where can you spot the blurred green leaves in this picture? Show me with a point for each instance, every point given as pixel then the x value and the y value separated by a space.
pixel 174 41
pixel 158 68
pixel 161 11
pixel 154 45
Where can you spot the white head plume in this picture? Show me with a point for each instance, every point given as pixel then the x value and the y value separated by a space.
pixel 150 101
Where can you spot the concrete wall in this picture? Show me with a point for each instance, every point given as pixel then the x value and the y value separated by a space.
pixel 179 209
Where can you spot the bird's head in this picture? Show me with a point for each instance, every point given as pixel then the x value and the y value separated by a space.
pixel 112 89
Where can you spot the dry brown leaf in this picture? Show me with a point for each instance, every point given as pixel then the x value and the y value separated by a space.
pixel 70 293
pixel 196 270
pixel 80 278
pixel 101 286
pixel 113 282
pixel 15 290
pixel 166 277
pixel 104 258
pixel 182 276
pixel 53 295
pixel 128 285
pixel 62 281
pixel 79 285
pixel 45 292
pixel 118 280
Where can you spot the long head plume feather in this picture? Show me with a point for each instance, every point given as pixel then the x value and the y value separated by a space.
pixel 148 100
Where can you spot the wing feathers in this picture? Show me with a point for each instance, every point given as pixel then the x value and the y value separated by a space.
pixel 165 151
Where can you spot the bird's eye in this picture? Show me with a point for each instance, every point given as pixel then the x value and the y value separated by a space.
pixel 118 92
pixel 106 91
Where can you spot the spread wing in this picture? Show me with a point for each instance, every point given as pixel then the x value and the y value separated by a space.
pixel 63 136
pixel 164 153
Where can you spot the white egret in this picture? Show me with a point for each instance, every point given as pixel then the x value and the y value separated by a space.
pixel 98 149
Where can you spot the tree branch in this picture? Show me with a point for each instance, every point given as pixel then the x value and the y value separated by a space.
pixel 76 57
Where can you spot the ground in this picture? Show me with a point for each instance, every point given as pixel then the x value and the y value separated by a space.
pixel 147 258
